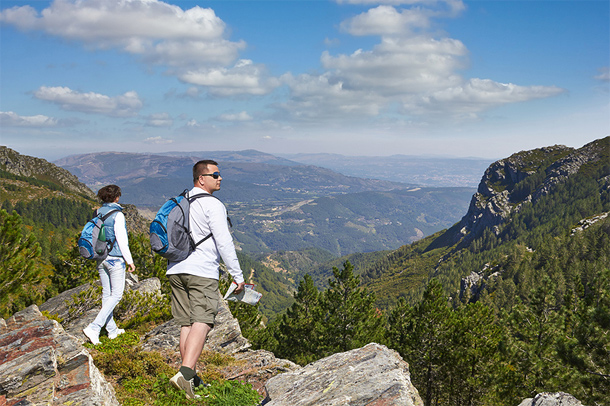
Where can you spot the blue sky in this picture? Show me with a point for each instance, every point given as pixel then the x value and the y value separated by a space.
pixel 355 77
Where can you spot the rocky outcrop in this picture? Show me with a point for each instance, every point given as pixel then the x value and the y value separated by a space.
pixel 136 223
pixel 23 165
pixel 523 178
pixel 588 222
pixel 225 337
pixel 40 364
pixel 371 375
pixel 472 285
pixel 552 399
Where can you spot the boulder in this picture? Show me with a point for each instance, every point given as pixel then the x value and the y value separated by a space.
pixel 552 399
pixel 371 375
pixel 41 364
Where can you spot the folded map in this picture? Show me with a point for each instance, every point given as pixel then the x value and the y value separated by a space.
pixel 248 295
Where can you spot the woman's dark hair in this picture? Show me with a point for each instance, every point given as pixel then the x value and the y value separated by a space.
pixel 108 194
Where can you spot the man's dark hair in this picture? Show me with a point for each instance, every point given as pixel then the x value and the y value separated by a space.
pixel 201 167
pixel 108 194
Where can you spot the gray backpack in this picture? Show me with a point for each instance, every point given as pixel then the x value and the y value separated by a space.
pixel 170 232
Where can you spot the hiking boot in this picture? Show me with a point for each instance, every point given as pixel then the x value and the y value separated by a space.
pixel 117 333
pixel 93 336
pixel 180 382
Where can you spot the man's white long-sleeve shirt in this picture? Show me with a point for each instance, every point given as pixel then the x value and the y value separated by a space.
pixel 208 215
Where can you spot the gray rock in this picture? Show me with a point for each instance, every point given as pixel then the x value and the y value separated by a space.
pixel 41 364
pixel 552 399
pixel 371 375
pixel 499 195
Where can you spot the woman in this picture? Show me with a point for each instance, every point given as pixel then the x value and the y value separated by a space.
pixel 112 269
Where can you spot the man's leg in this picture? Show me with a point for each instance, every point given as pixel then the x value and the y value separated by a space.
pixel 183 380
pixel 184 333
pixel 201 303
pixel 194 339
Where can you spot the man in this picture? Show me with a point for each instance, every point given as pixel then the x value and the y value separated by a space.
pixel 194 281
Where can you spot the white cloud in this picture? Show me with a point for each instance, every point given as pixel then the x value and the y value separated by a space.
pixel 405 74
pixel 158 141
pixel 477 95
pixel 185 41
pixel 243 78
pixel 399 66
pixel 125 105
pixel 453 6
pixel 604 74
pixel 386 20
pixel 158 31
pixel 241 116
pixel 11 119
pixel 159 120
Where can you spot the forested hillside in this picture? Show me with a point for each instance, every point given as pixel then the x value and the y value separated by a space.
pixel 512 301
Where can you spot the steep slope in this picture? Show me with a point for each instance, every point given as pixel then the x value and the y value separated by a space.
pixel 523 204
pixel 48 175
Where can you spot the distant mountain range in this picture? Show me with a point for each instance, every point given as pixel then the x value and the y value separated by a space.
pixel 278 204
pixel 423 171
pixel 248 177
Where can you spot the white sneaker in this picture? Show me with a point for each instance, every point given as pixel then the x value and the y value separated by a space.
pixel 93 336
pixel 181 383
pixel 117 333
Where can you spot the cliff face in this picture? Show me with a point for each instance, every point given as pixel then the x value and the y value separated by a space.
pixel 23 165
pixel 523 178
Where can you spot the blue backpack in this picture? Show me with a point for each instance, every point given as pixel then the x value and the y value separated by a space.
pixel 170 231
pixel 92 243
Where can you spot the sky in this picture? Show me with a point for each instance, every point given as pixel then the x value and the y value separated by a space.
pixel 354 77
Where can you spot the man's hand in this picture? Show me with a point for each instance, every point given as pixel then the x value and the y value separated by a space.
pixel 240 287
pixel 131 267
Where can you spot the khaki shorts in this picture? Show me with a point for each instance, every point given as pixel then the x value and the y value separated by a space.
pixel 194 299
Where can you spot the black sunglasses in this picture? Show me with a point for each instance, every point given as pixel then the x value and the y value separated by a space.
pixel 215 175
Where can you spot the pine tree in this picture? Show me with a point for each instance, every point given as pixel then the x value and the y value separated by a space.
pixel 71 270
pixel 18 273
pixel 587 352
pixel 531 351
pixel 298 329
pixel 294 334
pixel 349 316
pixel 470 364
pixel 421 334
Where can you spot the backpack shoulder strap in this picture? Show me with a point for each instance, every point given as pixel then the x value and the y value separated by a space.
pixel 105 216
pixel 197 196
pixel 191 200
